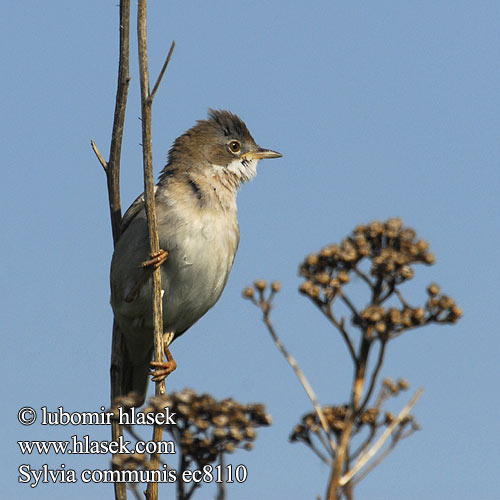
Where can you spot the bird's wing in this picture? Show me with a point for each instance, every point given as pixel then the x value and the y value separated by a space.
pixel 133 210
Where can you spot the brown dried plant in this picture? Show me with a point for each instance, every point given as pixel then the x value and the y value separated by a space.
pixel 205 430
pixel 381 255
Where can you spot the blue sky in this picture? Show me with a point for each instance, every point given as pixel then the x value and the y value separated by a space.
pixel 379 109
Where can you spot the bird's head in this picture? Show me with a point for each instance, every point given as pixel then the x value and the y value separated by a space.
pixel 220 145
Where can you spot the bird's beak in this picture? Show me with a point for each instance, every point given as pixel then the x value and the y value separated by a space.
pixel 260 153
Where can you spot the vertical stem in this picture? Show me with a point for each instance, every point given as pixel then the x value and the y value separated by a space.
pixel 113 170
pixel 221 487
pixel 113 181
pixel 333 490
pixel 147 156
pixel 180 481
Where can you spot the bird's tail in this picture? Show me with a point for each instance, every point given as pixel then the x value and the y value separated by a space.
pixel 127 378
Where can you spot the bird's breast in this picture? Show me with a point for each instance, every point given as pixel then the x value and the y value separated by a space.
pixel 201 254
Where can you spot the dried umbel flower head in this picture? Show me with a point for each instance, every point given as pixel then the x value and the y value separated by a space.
pixel 391 248
pixel 257 293
pixel 260 285
pixel 206 427
pixel 390 251
pixel 310 425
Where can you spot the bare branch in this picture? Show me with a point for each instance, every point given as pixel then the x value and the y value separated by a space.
pixel 302 378
pixel 363 276
pixel 368 455
pixel 102 161
pixel 341 328
pixel 362 447
pixel 401 298
pixel 375 373
pixel 162 72
pixel 374 463
pixel 349 304
pixel 319 454
pixel 112 169
pixel 325 444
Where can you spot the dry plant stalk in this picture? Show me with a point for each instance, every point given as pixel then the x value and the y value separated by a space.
pixel 149 202
pixel 112 170
pixel 382 256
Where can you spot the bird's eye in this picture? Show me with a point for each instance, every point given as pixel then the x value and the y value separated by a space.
pixel 235 146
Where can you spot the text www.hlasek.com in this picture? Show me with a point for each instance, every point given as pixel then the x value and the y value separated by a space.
pixel 85 446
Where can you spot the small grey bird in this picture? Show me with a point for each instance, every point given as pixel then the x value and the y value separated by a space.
pixel 198 230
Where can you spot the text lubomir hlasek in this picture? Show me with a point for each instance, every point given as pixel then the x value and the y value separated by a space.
pixel 127 417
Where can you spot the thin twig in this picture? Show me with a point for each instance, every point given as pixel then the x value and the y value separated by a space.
pixel 325 444
pixel 102 161
pixel 191 490
pixel 162 72
pixel 363 276
pixel 383 395
pixel 320 455
pixel 302 378
pixel 368 455
pixel 375 373
pixel 135 491
pixel 349 304
pixel 362 447
pixel 401 298
pixel 340 326
pixel 374 463
pixel 388 293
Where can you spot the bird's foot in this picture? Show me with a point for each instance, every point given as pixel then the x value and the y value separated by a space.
pixel 162 369
pixel 157 259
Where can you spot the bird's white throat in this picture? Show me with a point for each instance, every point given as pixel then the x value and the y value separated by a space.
pixel 243 170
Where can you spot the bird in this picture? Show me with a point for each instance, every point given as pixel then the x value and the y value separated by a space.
pixel 198 233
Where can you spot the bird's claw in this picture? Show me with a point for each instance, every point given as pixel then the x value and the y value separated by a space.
pixel 157 259
pixel 162 369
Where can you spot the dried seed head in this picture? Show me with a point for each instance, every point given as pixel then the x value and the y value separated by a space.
pixel 375 229
pixel 446 302
pixel 248 293
pixel 312 260
pixel 394 315
pixel 429 258
pixel 343 277
pixel 275 286
pixel 419 314
pixel 323 278
pixel 433 289
pixel 422 246
pixel 260 285
pixel 304 287
pixel 403 384
pixel 389 418
pixel 407 272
